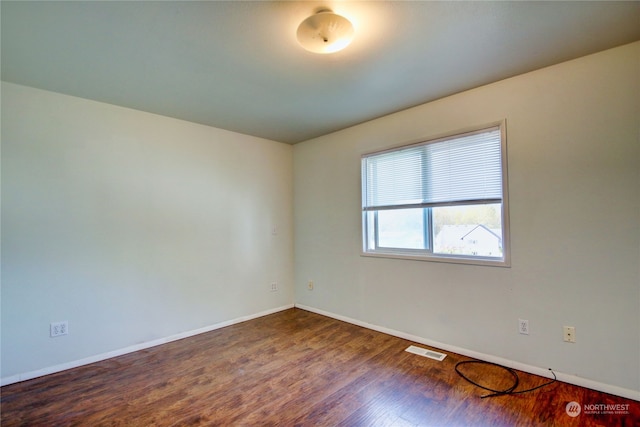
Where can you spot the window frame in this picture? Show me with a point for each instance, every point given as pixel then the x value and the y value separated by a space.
pixel 428 254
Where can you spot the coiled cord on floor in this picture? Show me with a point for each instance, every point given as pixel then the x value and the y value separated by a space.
pixel 507 391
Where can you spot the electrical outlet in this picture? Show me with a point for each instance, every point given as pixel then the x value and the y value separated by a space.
pixel 274 286
pixel 523 326
pixel 310 285
pixel 59 328
pixel 569 333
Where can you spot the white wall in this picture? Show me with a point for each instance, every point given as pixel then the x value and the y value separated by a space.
pixel 574 187
pixel 133 227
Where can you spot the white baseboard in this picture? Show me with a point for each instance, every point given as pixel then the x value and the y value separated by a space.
pixel 99 357
pixel 544 372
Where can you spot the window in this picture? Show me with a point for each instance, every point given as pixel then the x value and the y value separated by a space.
pixel 441 200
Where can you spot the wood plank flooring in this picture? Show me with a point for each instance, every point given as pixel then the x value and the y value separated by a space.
pixel 294 368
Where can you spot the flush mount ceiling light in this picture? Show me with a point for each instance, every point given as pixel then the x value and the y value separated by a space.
pixel 325 32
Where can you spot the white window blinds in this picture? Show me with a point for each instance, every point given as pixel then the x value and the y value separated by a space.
pixel 460 170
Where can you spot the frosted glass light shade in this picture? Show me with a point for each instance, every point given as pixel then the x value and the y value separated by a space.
pixel 325 32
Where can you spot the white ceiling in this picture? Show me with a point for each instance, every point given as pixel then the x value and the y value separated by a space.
pixel 236 65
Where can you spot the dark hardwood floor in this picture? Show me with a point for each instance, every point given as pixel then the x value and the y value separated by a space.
pixel 294 368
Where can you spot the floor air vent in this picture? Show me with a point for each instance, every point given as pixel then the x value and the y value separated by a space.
pixel 426 353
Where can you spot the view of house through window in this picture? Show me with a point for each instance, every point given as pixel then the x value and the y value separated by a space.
pixel 442 199
pixel 468 230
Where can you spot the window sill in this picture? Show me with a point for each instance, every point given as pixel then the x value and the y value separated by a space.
pixel 486 262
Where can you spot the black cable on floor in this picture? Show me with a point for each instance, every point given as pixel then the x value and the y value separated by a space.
pixel 507 391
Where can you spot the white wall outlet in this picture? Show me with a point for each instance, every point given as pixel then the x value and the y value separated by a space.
pixel 59 328
pixel 274 286
pixel 569 333
pixel 523 326
pixel 310 285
